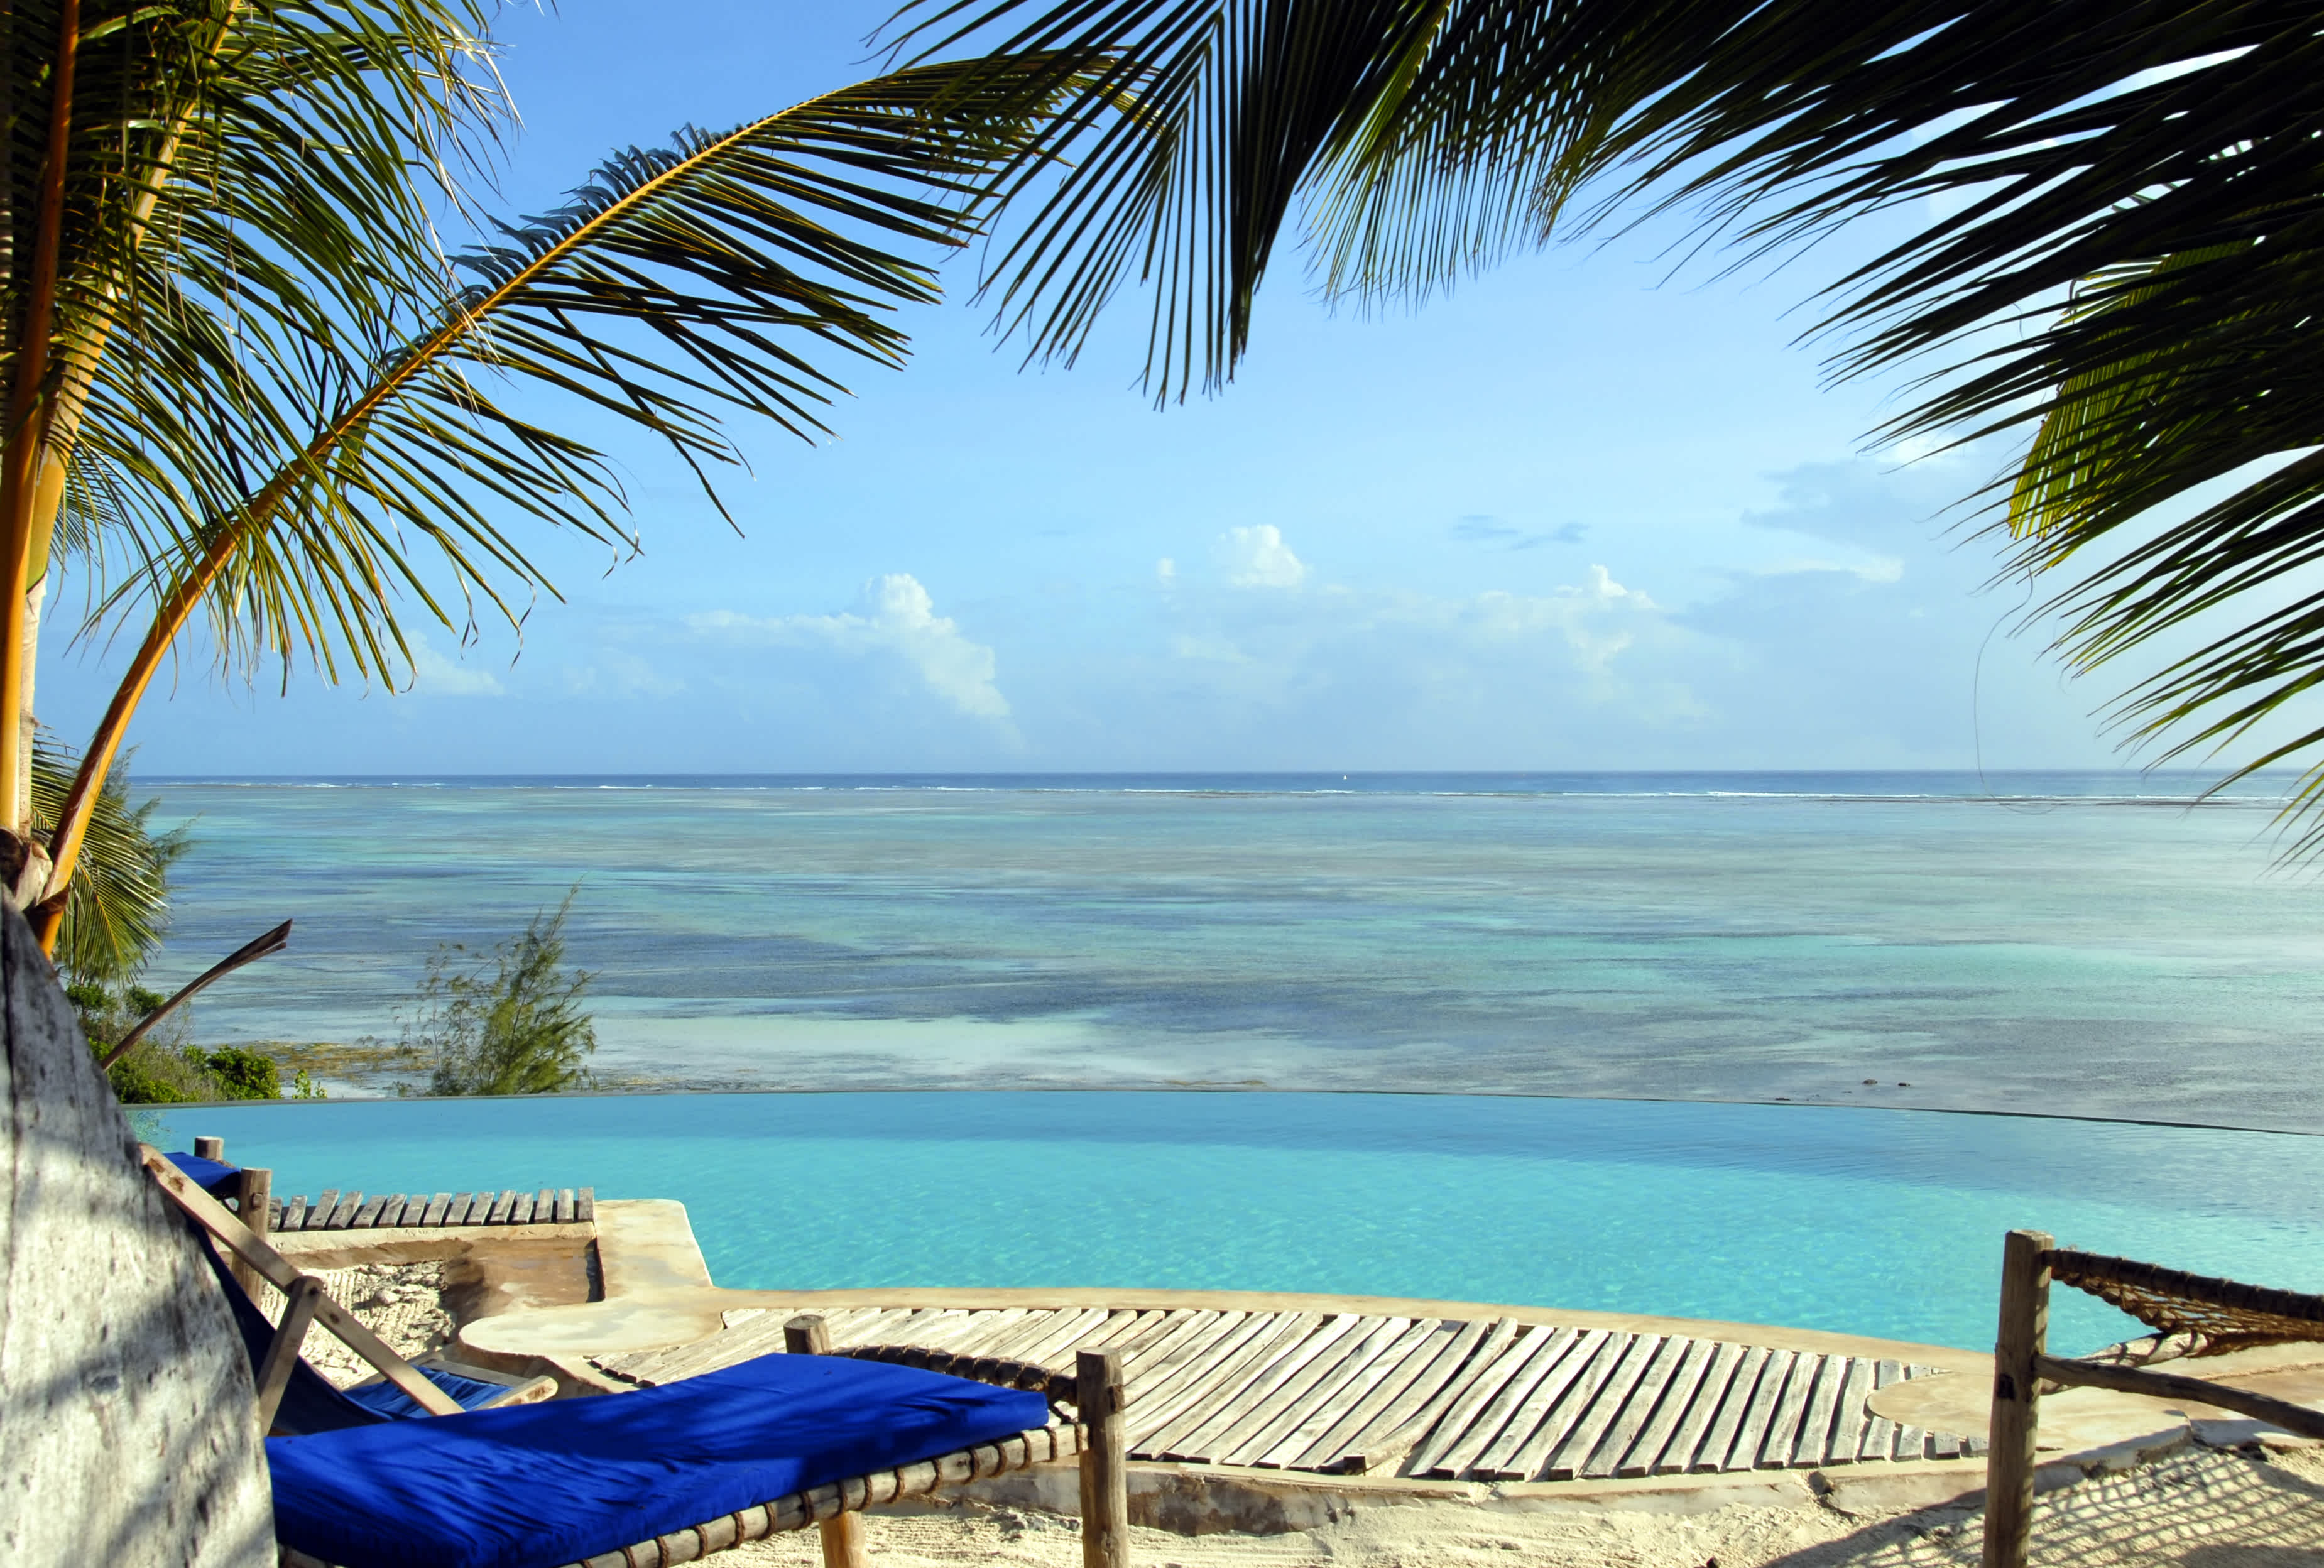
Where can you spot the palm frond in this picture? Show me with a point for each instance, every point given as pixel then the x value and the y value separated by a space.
pixel 118 909
pixel 726 273
pixel 2124 240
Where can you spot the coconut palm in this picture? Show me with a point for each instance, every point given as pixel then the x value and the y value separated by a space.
pixel 309 470
pixel 2119 276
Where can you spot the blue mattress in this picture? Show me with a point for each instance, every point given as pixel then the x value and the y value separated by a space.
pixel 536 1486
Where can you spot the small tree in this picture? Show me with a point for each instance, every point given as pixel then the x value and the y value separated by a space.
pixel 511 1023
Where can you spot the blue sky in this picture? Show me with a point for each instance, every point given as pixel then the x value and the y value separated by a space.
pixel 1582 514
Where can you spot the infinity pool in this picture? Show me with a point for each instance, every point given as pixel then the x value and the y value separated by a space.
pixel 1882 1223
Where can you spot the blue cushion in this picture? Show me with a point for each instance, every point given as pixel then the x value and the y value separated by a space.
pixel 214 1177
pixel 385 1400
pixel 536 1486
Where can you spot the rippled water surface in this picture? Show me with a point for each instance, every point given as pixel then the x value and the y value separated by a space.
pixel 1883 1222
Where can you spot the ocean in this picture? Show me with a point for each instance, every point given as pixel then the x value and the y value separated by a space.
pixel 2065 944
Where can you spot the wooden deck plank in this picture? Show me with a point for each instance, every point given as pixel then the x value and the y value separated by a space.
pixel 368 1215
pixel 344 1215
pixel 503 1205
pixel 1330 1384
pixel 1189 1359
pixel 1147 1358
pixel 1065 1330
pixel 1726 1434
pixel 1581 1439
pixel 989 1326
pixel 1815 1438
pixel 1677 1457
pixel 1638 1407
pixel 1530 1432
pixel 1472 1426
pixel 1202 1400
pixel 1879 1432
pixel 1847 1425
pixel 1266 1395
pixel 1120 1324
pixel 1375 1446
pixel 1784 1422
pixel 1361 1379
pixel 1393 1451
pixel 1441 1337
pixel 321 1211
pixel 1034 1327
pixel 1153 1338
pixel 435 1207
pixel 584 1207
pixel 1678 1401
pixel 1752 1432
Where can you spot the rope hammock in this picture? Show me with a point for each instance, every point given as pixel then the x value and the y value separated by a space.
pixel 2217 1315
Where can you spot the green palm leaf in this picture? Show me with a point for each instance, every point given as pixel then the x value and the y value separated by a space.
pixel 736 272
pixel 119 907
pixel 2121 275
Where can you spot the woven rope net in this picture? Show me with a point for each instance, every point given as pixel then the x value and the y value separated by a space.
pixel 2215 1315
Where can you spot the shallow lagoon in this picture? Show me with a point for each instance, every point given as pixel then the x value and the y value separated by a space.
pixel 1874 1221
pixel 2081 945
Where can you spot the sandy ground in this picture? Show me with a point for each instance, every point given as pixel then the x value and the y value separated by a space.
pixel 402 1303
pixel 2203 1508
pixel 2207 1509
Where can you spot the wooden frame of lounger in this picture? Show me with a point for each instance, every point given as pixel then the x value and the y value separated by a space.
pixel 306 1304
pixel 1096 1389
pixel 2022 1366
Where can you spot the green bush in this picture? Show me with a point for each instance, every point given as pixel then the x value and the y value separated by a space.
pixel 510 1023
pixel 166 1067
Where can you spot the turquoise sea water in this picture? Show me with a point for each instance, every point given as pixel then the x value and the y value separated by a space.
pixel 2083 943
pixel 1862 1221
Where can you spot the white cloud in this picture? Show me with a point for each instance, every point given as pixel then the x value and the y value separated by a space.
pixel 1878 569
pixel 438 676
pixel 1166 571
pixel 1257 558
pixel 1596 620
pixel 894 617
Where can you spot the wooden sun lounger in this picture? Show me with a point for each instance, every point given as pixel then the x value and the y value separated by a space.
pixel 1096 1390
pixel 2023 1369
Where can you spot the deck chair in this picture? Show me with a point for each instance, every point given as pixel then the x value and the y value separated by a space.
pixel 2192 1315
pixel 670 1474
pixel 309 1402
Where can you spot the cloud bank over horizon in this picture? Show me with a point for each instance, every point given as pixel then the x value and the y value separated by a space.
pixel 1861 639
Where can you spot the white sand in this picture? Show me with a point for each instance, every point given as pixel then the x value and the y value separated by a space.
pixel 401 1302
pixel 2206 1509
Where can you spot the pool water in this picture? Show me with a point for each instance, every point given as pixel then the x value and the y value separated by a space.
pixel 1884 1223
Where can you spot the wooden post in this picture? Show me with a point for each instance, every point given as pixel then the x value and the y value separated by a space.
pixel 843 1533
pixel 2024 1335
pixel 1099 1393
pixel 210 1148
pixel 253 1202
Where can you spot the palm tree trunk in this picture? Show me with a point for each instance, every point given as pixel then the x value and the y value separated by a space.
pixel 20 468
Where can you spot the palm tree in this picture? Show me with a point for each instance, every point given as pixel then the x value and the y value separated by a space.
pixel 248 380
pixel 2121 280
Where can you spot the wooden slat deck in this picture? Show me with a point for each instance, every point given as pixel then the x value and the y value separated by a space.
pixel 336 1211
pixel 1339 1392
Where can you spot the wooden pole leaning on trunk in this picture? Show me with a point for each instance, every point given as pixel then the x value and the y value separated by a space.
pixel 254 1203
pixel 2020 1343
pixel 843 1533
pixel 1102 1396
